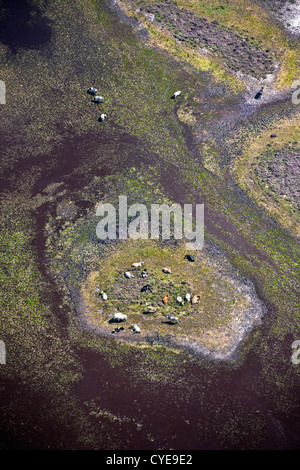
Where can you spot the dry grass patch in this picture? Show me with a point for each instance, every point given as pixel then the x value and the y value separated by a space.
pixel 287 132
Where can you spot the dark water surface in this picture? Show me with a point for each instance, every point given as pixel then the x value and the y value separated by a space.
pixel 208 405
pixel 23 24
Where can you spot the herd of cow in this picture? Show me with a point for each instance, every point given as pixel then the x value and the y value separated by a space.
pixel 121 317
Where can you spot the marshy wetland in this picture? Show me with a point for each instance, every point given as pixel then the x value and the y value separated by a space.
pixel 222 376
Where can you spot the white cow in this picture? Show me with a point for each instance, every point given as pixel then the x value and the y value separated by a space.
pixel 137 265
pixel 135 328
pixel 172 319
pixel 119 317
pixel 92 91
pixel 103 295
pixel 166 270
pixel 98 99
pixel 177 93
pixel 102 117
pixel 128 275
pixel 187 297
pixel 179 301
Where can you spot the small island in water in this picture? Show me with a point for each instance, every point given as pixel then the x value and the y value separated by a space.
pixel 148 294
